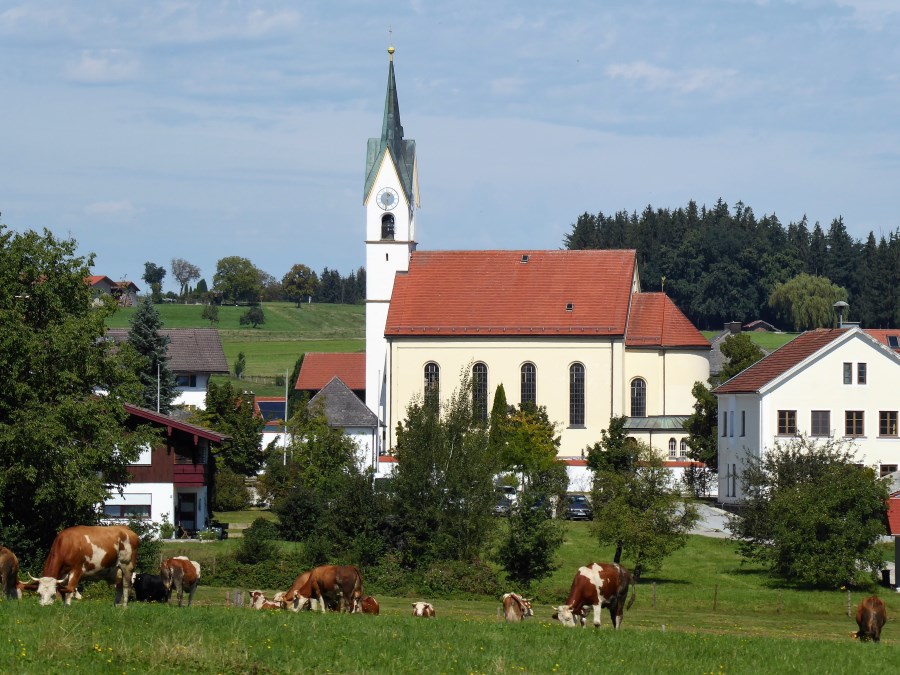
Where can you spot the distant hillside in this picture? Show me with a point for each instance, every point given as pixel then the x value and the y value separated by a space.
pixel 274 347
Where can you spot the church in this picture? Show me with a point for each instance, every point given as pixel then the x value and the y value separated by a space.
pixel 567 330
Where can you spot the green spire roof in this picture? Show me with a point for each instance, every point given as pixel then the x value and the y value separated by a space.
pixel 403 153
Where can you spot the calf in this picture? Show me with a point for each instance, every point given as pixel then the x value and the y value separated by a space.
pixel 258 601
pixel 423 609
pixel 369 605
pixel 10 585
pixel 597 585
pixel 183 574
pixel 149 588
pixel 516 608
pixel 871 615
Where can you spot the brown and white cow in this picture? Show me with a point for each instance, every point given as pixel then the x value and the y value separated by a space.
pixel 871 616
pixel 597 585
pixel 10 585
pixel 423 609
pixel 90 553
pixel 258 601
pixel 516 608
pixel 337 587
pixel 182 573
pixel 289 597
pixel 369 605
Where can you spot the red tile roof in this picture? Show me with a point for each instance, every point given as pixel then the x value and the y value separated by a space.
pixel 780 361
pixel 496 293
pixel 882 335
pixel 318 369
pixel 894 516
pixel 655 321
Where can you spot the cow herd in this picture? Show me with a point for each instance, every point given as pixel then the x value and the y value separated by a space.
pixel 110 553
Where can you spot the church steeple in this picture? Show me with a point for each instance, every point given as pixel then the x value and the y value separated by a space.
pixel 402 152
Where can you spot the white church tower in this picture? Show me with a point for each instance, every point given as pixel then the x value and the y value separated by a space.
pixel 390 196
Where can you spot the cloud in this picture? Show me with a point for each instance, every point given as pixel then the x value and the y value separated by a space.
pixel 686 81
pixel 120 209
pixel 106 66
pixel 507 86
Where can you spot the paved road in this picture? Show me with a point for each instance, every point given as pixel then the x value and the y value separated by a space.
pixel 712 522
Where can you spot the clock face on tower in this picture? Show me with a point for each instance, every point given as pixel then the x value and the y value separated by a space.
pixel 387 199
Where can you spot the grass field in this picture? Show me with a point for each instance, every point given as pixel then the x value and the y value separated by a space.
pixel 704 612
pixel 768 341
pixel 273 347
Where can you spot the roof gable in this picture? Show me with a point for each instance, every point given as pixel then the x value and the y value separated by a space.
pixel 190 350
pixel 523 293
pixel 169 422
pixel 342 407
pixel 318 369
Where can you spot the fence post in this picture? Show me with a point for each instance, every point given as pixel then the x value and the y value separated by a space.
pixel 716 597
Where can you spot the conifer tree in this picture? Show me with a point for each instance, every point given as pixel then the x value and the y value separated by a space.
pixel 157 380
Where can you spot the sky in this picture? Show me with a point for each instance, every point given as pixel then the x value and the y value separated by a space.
pixel 169 129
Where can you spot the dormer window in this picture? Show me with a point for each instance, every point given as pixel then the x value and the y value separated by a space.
pixel 524 257
pixel 570 306
pixel 387 226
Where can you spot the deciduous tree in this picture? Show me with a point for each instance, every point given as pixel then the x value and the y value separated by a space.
pixel 237 279
pixel 231 412
pixel 299 284
pixel 807 302
pixel 253 316
pixel 184 273
pixel 811 514
pixel 63 448
pixel 741 353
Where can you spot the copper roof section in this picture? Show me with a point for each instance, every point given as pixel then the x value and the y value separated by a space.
pixel 512 293
pixel 655 321
pixel 319 368
pixel 780 361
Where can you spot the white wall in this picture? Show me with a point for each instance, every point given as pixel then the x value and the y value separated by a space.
pixel 194 396
pixel 160 496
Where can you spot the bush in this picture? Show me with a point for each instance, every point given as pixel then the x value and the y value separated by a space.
pixel 276 573
pixel 149 553
pixel 257 544
pixel 455 577
pixel 231 492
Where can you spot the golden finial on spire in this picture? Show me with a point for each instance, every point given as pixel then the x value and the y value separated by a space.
pixel 390 43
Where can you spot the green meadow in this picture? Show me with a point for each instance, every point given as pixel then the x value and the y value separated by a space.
pixel 272 348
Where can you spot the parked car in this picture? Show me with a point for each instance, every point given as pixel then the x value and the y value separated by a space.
pixel 503 506
pixel 578 508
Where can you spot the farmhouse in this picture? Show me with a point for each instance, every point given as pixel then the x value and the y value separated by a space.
pixel 125 292
pixel 172 477
pixel 569 330
pixel 826 383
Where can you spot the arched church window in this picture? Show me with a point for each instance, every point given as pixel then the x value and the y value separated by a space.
pixel 638 398
pixel 432 380
pixel 682 450
pixel 387 226
pixel 480 391
pixel 528 394
pixel 576 395
pixel 672 447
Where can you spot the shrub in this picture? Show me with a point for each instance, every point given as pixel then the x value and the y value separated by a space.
pixel 454 577
pixel 257 544
pixel 231 492
pixel 149 553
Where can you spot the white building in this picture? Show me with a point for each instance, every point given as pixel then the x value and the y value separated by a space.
pixel 825 384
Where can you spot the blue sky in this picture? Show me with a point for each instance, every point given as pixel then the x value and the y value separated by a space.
pixel 153 130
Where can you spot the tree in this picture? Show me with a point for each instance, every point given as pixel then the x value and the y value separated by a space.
pixel 254 316
pixel 497 422
pixel 63 448
pixel 159 386
pixel 153 275
pixel 240 365
pixel 299 283
pixel 231 492
pixel 184 273
pixel 807 302
pixel 703 427
pixel 231 412
pixel 741 353
pixel 531 447
pixel 811 514
pixel 528 548
pixel 640 512
pixel 442 490
pixel 238 279
pixel 211 314
pixel 616 451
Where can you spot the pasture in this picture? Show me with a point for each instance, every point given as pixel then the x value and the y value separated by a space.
pixel 705 612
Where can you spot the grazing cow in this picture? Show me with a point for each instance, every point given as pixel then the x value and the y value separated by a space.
pixel 516 608
pixel 89 552
pixel 258 601
pixel 369 605
pixel 290 596
pixel 149 588
pixel 337 587
pixel 597 585
pixel 182 573
pixel 871 615
pixel 10 585
pixel 423 609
